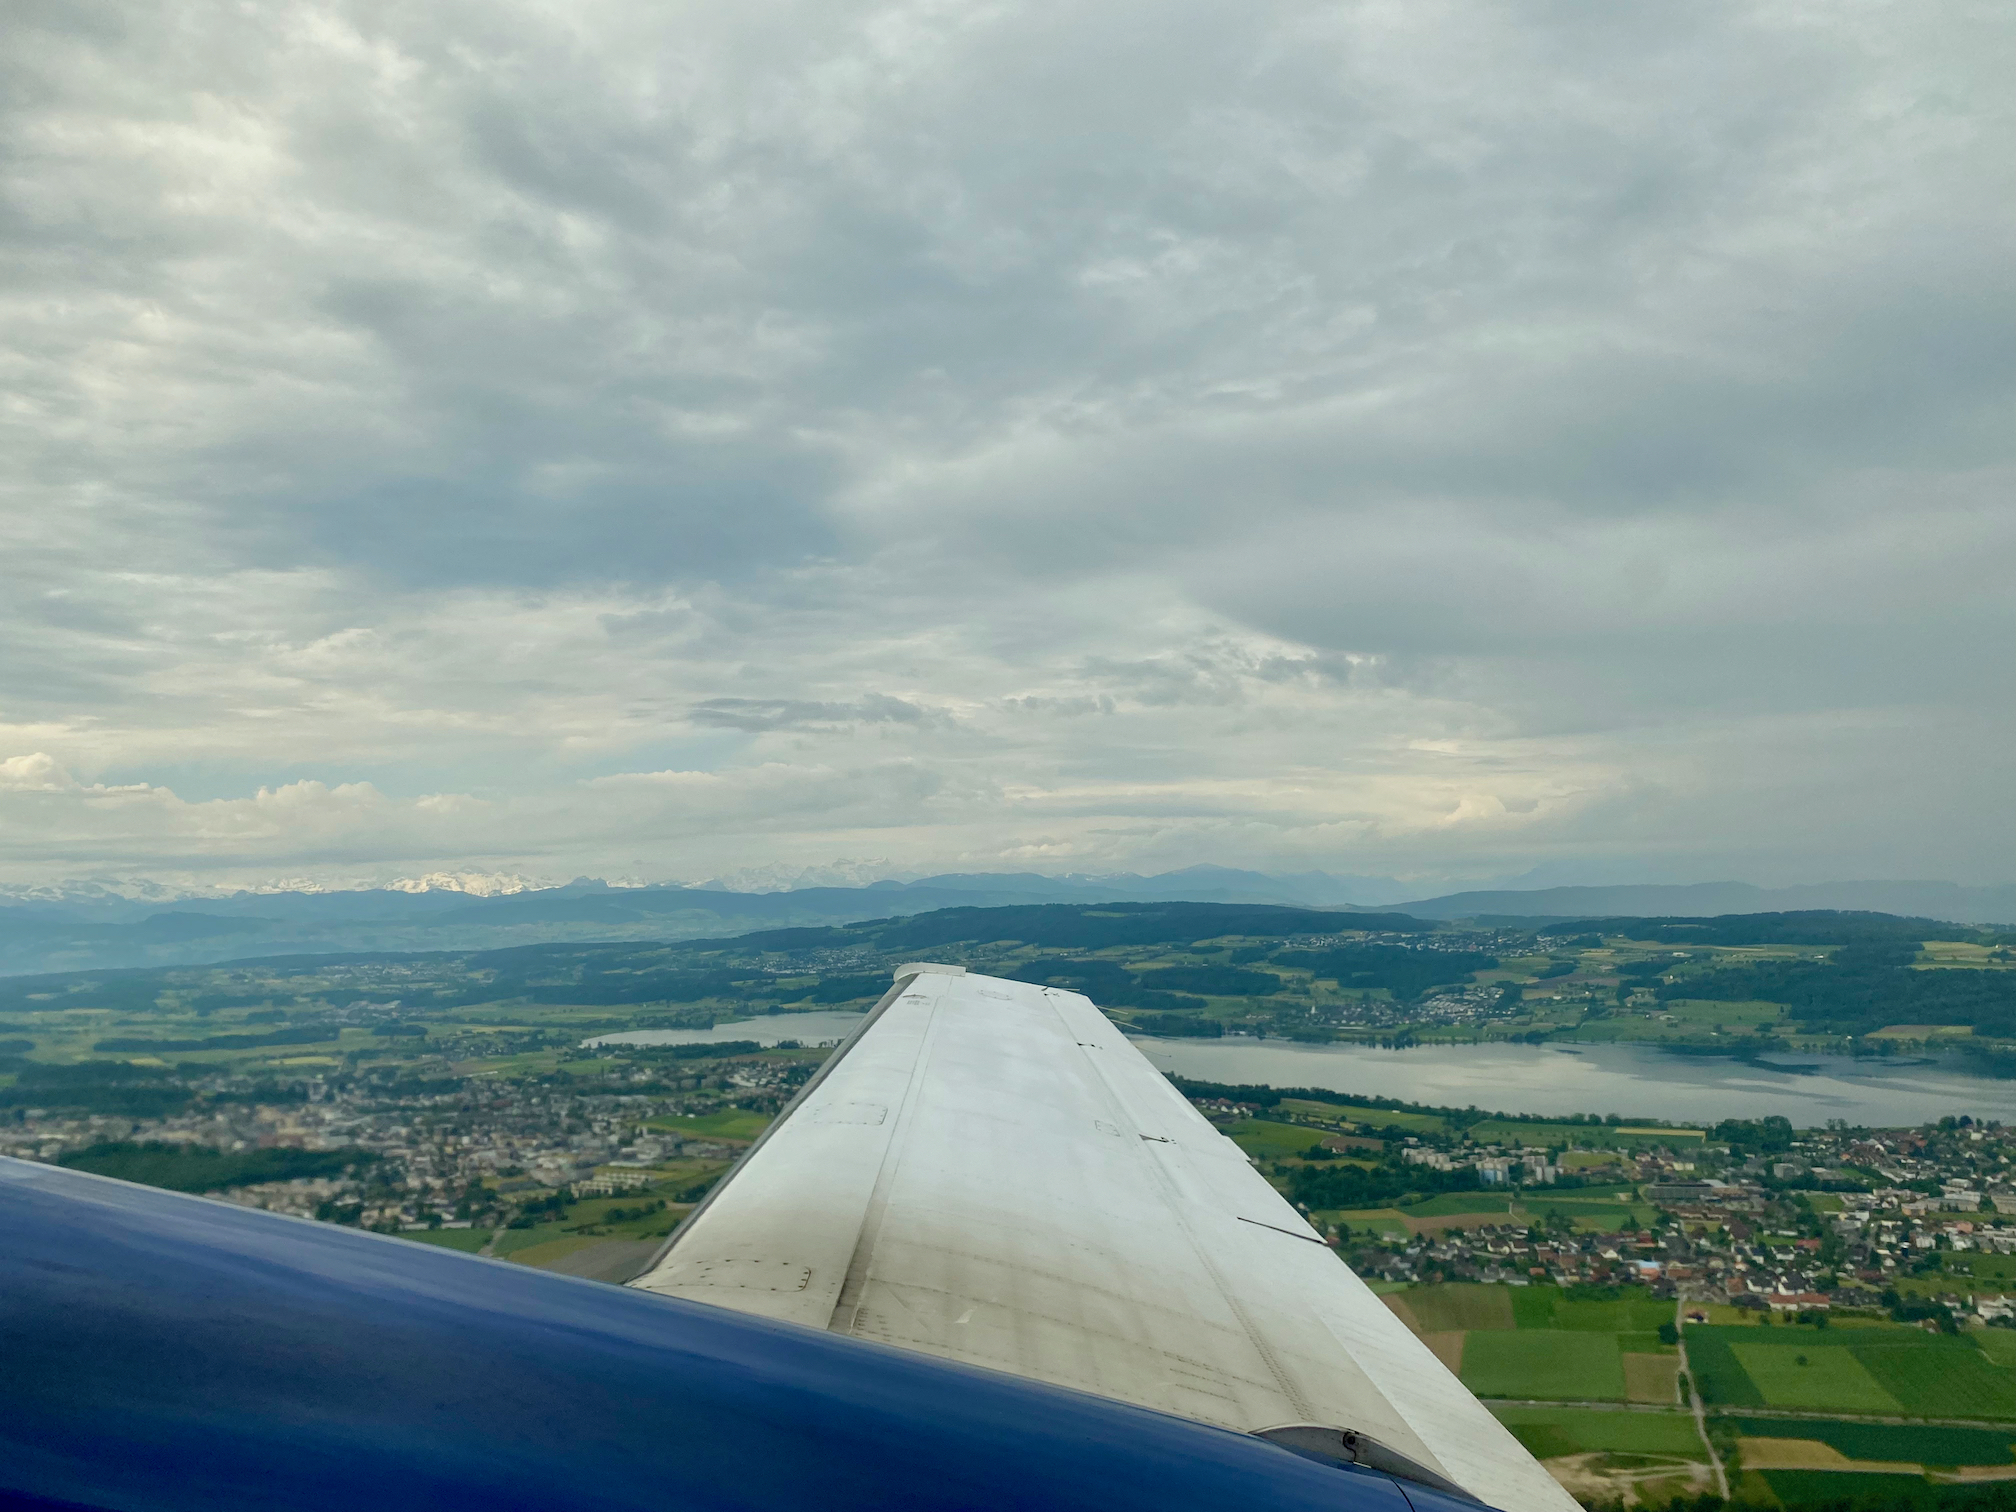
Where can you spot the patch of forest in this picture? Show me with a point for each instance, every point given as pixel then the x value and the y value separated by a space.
pixel 197 1168
pixel 1862 989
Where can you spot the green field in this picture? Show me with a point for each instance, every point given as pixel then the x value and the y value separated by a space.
pixel 1549 1307
pixel 1981 1266
pixel 1885 1369
pixel 1703 1014
pixel 552 1239
pixel 1611 1192
pixel 728 1123
pixel 1843 1488
pixel 1817 1379
pixel 1626 1315
pixel 1589 1217
pixel 1268 1140
pixel 1544 1363
pixel 1716 1370
pixel 1938 1447
pixel 1460 1306
pixel 1457 1204
pixel 1647 1342
pixel 647 1226
pixel 512 1240
pixel 1534 1342
pixel 1551 1431
pixel 547 1251
pixel 1999 1344
pixel 1367 1118
pixel 467 1240
pixel 1952 1382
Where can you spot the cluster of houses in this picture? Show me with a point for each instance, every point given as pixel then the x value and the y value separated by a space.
pixel 481 1146
pixel 1841 1219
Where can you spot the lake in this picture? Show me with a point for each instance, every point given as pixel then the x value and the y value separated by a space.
pixel 806 1028
pixel 1636 1081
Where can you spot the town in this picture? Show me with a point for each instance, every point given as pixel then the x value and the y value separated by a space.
pixel 1833 1219
pixel 1755 1216
pixel 416 1150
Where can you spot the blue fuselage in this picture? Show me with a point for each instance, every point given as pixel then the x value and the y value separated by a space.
pixel 161 1353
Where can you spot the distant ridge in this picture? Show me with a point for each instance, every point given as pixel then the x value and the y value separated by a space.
pixel 1700 900
pixel 80 933
pixel 114 930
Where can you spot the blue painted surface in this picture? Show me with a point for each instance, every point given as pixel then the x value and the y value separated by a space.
pixel 161 1353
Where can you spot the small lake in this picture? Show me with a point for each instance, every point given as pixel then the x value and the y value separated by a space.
pixel 806 1028
pixel 1636 1081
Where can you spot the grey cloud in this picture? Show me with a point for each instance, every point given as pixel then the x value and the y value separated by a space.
pixel 1066 707
pixel 757 714
pixel 1416 431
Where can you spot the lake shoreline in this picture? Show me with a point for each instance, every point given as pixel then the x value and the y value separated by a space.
pixel 1635 1080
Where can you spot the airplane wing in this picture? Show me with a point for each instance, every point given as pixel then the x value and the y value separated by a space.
pixel 987 1171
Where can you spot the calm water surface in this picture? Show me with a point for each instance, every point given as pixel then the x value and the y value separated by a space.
pixel 1636 1081
pixel 806 1028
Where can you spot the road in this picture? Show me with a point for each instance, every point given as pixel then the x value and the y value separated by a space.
pixel 1693 1390
pixel 1786 1413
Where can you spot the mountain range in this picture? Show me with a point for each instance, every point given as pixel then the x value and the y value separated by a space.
pixel 103 928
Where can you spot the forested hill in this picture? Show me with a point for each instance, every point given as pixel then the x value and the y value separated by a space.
pixel 1829 927
pixel 1089 926
pixel 1741 984
pixel 79 931
pixel 1869 971
pixel 48 938
pixel 850 959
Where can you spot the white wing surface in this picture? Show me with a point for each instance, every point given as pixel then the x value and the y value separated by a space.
pixel 988 1171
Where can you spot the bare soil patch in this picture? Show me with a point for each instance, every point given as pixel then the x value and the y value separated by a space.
pixel 1651 1378
pixel 1811 1454
pixel 1396 1304
pixel 1448 1348
pixel 1633 1480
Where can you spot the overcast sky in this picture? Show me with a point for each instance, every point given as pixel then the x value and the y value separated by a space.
pixel 675 440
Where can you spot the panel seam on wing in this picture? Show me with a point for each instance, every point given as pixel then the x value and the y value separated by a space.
pixel 854 1282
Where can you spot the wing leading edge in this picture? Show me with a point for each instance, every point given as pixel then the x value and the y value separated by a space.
pixel 989 1172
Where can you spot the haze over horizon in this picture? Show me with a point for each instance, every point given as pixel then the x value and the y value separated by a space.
pixel 1450 445
pixel 1533 894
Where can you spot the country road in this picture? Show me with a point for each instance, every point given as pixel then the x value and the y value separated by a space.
pixel 1789 1414
pixel 1693 1390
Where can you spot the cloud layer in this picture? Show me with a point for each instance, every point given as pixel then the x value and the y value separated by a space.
pixel 668 440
